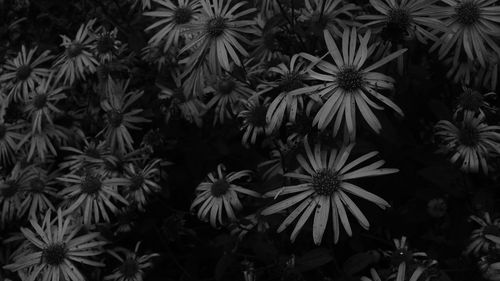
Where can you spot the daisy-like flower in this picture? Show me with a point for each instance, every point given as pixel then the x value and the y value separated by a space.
pixel 267 44
pixel 94 154
pixel 486 237
pixel 472 25
pixel 12 193
pixel 221 32
pixel 324 188
pixel 333 16
pixel 348 85
pixel 218 195
pixel 470 141
pixel 142 182
pixel 249 223
pixel 54 247
pixel 43 142
pixel 92 194
pixel 254 120
pixel 155 55
pixel 227 95
pixel 471 101
pixel 281 156
pixel 403 20
pixel 9 138
pixel 39 192
pixel 105 45
pixel 145 4
pixel 405 259
pixel 41 103
pixel 24 72
pixel 172 20
pixel 77 59
pixel 132 264
pixel 120 118
pixel 417 274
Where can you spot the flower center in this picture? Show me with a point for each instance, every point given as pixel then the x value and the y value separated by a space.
pixel 491 230
pixel 54 254
pixel 182 15
pixel 219 188
pixel 136 182
pixel 10 190
pixel 129 268
pixel 397 24
pixel 23 72
pixel 115 118
pixel 291 81
pixel 39 101
pixel 467 13
pixel 216 26
pixel 226 86
pixel 105 44
pixel 468 135
pixel 326 182
pixel 3 131
pixel 37 185
pixel 258 116
pixel 74 50
pixel 91 184
pixel 471 100
pixel 349 79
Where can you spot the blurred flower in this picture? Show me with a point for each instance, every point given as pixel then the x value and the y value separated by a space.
pixel 132 265
pixel 172 20
pixel 254 120
pixel 249 223
pixel 267 44
pixel 436 207
pixel 92 194
pixel 470 141
pixel 486 237
pixel 347 85
pixel 219 194
pixel 55 248
pixel 155 55
pixel 23 73
pixel 142 182
pixel 105 45
pixel 145 4
pixel 43 141
pixel 328 14
pixel 94 154
pixel 281 155
pixel 12 190
pixel 474 102
pixel 219 33
pixel 324 187
pixel 77 59
pixel 40 190
pixel 9 137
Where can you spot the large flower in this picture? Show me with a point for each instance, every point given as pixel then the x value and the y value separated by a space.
pixel 172 19
pixel 23 72
pixel 53 247
pixel 349 85
pixel 324 188
pixel 219 195
pixel 132 264
pixel 469 141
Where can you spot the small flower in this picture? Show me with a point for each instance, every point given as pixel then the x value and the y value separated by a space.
pixel 77 59
pixel 24 72
pixel 323 189
pixel 132 265
pixel 486 237
pixel 470 141
pixel 39 192
pixel 105 45
pixel 92 194
pixel 249 223
pixel 142 182
pixel 94 154
pixel 12 193
pixel 474 102
pixel 43 142
pixel 172 19
pixel 327 14
pixel 409 265
pixel 54 248
pixel 268 42
pixel 254 120
pixel 219 195
pixel 9 138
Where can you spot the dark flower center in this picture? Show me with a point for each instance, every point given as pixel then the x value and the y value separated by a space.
pixel 349 79
pixel 37 185
pixel 39 101
pixel 471 100
pixel 398 22
pixel 257 116
pixel 326 182
pixel 468 135
pixel 136 182
pixel 400 256
pixel 23 72
pixel 226 86
pixel 3 131
pixel 491 230
pixel 183 15
pixel 115 118
pixel 291 81
pixel 105 44
pixel 74 50
pixel 91 184
pixel 467 13
pixel 10 190
pixel 54 254
pixel 129 268
pixel 216 26
pixel 219 188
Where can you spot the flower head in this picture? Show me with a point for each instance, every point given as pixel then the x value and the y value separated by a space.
pixel 41 189
pixel 486 237
pixel 105 45
pixel 333 15
pixel 142 182
pixel 132 264
pixel 473 102
pixel 9 137
pixel 254 120
pixel 12 193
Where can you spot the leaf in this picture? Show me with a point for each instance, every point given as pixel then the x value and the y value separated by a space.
pixel 313 259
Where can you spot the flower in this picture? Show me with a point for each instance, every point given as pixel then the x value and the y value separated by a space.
pixel 219 194
pixel 227 95
pixel 142 182
pixel 248 223
pixel 9 137
pixel 417 273
pixel 470 141
pixel 405 260
pixel 281 156
pixel 77 59
pixel 327 14
pixel 486 237
pixel 42 141
pixel 490 267
pixel 40 190
pixel 474 102
pixel 94 154
pixel 348 85
pixel 12 193
pixel 173 20
pixel 132 265
pixel 105 45
pixel 402 20
pixel 220 33
pixel 120 118
pixel 267 44
pixel 91 192
pixel 324 187
pixel 41 103
pixel 254 120
pixel 54 248
pixel 472 25
pixel 24 72
pixel 145 4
